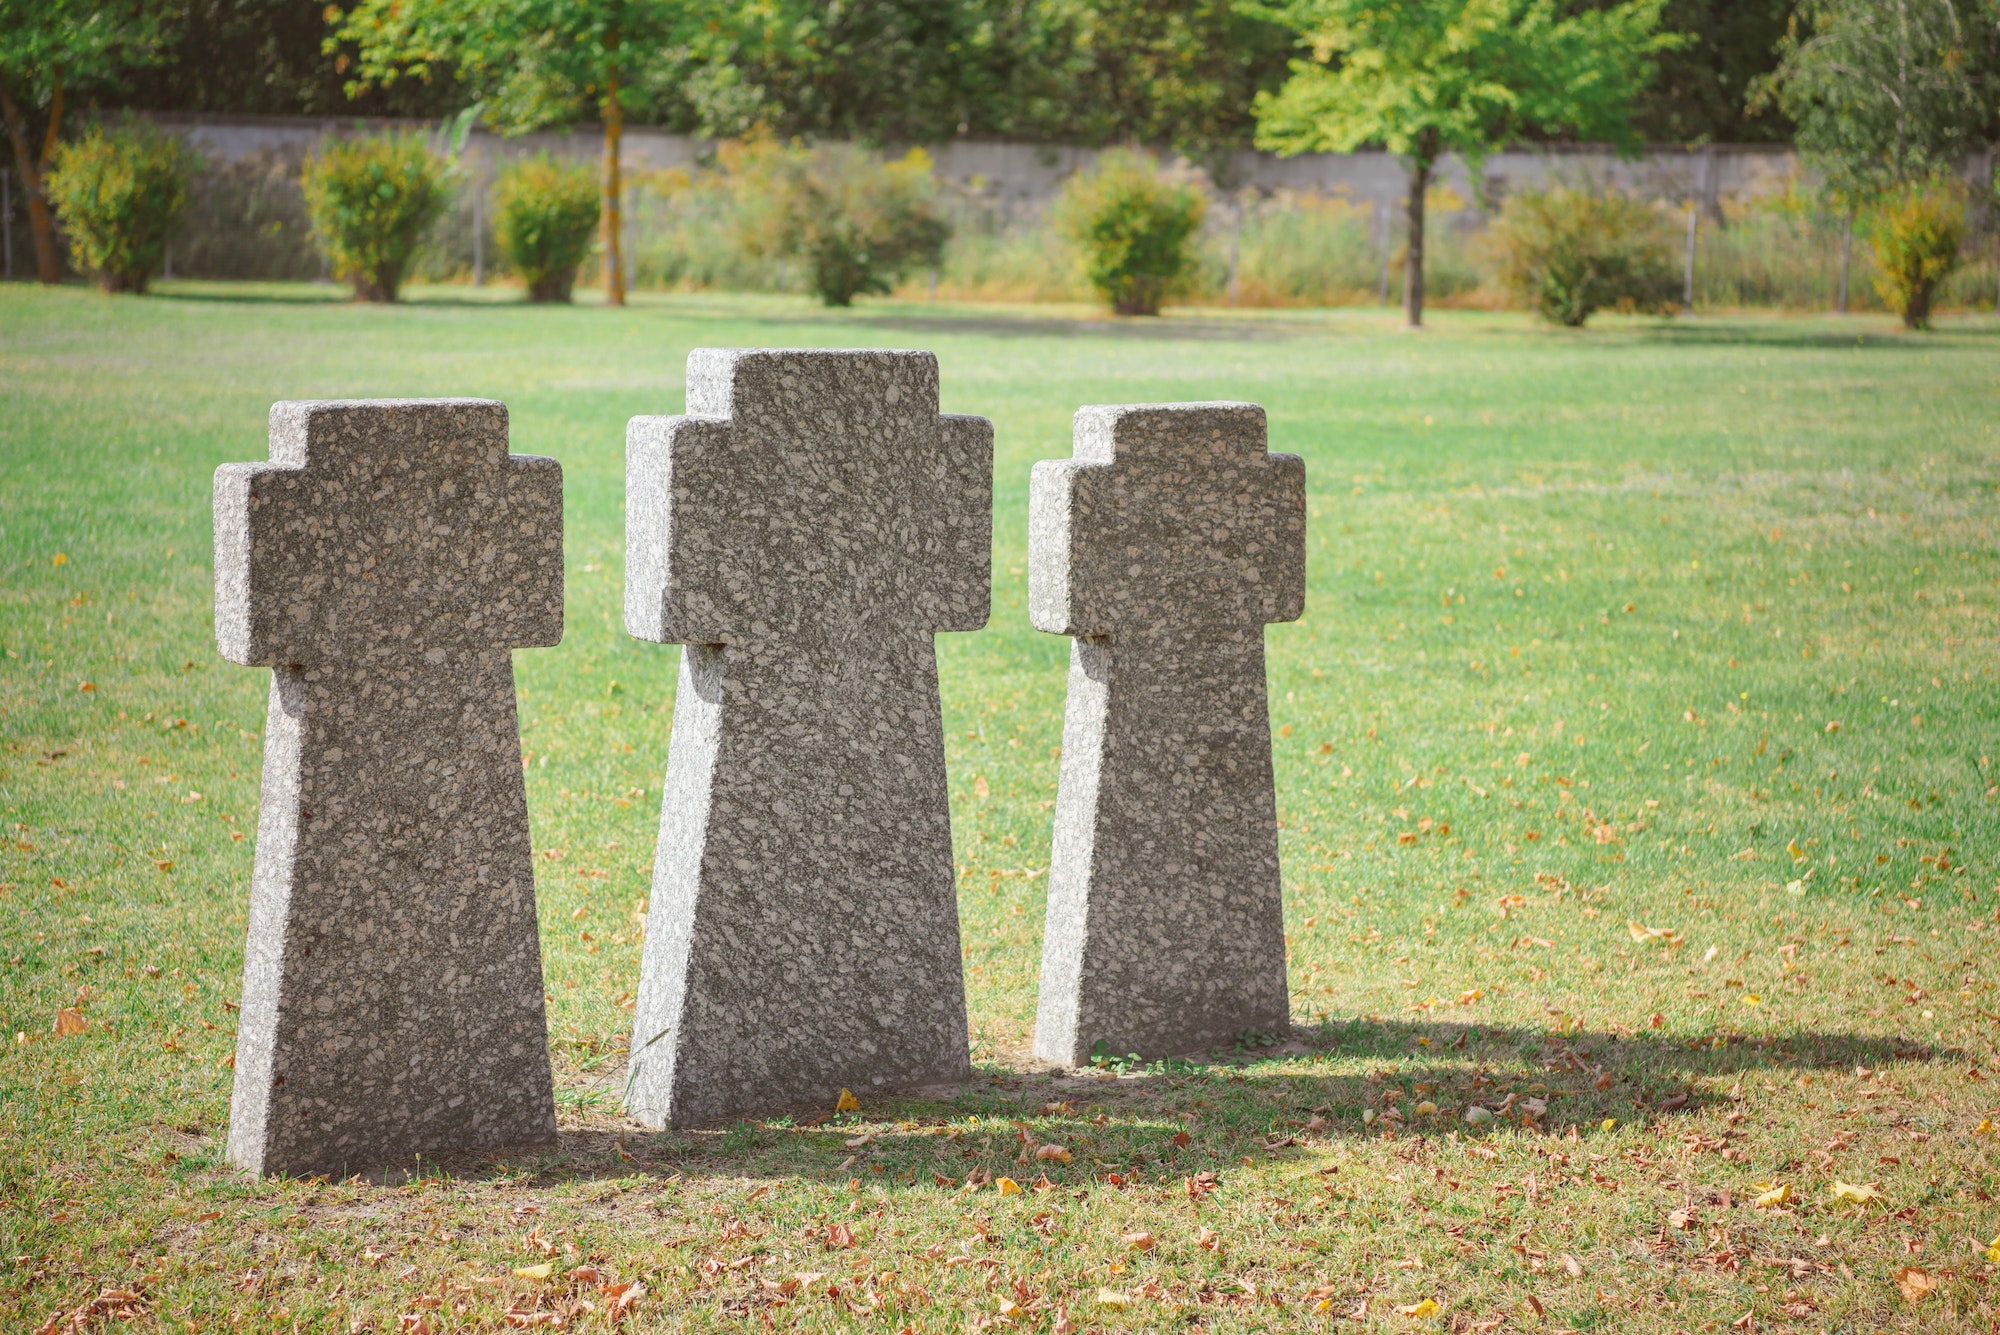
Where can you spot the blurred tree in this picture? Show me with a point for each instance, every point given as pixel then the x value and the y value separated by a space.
pixel 266 57
pixel 1429 77
pixel 536 62
pixel 1888 93
pixel 1164 72
pixel 49 50
pixel 1701 94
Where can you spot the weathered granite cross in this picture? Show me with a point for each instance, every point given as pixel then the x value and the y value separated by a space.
pixel 383 564
pixel 1164 545
pixel 804 531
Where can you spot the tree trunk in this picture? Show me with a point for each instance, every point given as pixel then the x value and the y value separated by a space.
pixel 1413 250
pixel 48 263
pixel 614 132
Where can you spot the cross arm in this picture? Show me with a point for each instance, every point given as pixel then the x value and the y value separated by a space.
pixel 958 592
pixel 246 629
pixel 685 583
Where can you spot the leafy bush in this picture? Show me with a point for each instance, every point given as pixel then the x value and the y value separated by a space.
pixel 857 222
pixel 119 192
pixel 545 218
pixel 1570 253
pixel 371 200
pixel 1916 233
pixel 1135 228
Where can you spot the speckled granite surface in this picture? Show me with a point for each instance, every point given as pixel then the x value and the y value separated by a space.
pixel 383 564
pixel 1163 546
pixel 804 531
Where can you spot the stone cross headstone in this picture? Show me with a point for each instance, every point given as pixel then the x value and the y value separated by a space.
pixel 383 564
pixel 804 531
pixel 1163 546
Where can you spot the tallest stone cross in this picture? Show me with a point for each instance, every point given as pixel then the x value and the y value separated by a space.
pixel 1163 546
pixel 383 564
pixel 804 530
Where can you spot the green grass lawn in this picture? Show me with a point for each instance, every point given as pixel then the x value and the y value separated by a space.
pixel 1634 756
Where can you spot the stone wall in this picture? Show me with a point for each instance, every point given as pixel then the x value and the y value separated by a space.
pixel 247 219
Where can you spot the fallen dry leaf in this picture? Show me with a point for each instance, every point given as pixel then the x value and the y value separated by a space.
pixel 1139 1242
pixel 623 1297
pixel 847 1102
pixel 538 1273
pixel 69 1021
pixel 1209 1240
pixel 1113 1299
pixel 1052 1154
pixel 1770 1195
pixel 1571 1266
pixel 1007 1186
pixel 1914 1284
pixel 1862 1194
pixel 1428 1307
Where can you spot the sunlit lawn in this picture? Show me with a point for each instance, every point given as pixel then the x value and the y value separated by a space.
pixel 1634 758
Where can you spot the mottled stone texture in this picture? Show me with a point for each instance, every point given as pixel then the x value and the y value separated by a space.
pixel 804 531
pixel 1163 546
pixel 383 564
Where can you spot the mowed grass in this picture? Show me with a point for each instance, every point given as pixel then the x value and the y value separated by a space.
pixel 1634 758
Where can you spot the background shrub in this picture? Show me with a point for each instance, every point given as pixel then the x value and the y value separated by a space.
pixel 545 216
pixel 1135 229
pixel 370 201
pixel 1569 253
pixel 119 191
pixel 856 221
pixel 1916 233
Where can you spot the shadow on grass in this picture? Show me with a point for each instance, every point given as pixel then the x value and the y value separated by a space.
pixel 1809 333
pixel 224 293
pixel 1166 1122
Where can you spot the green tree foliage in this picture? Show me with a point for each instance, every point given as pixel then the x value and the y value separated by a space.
pixel 537 62
pixel 265 57
pixel 1135 228
pixel 119 192
pixel 1568 253
pixel 1178 72
pixel 1701 93
pixel 857 222
pixel 545 217
pixel 1916 231
pixel 1888 93
pixel 371 200
pixel 1431 77
pixel 48 49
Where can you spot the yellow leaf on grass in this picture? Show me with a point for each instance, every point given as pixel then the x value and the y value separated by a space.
pixel 1913 1283
pixel 69 1021
pixel 1770 1195
pixel 1425 1308
pixel 1607 1124
pixel 847 1102
pixel 1139 1242
pixel 1985 1127
pixel 535 1272
pixel 1993 1250
pixel 1007 1186
pixel 1425 1109
pixel 1644 934
pixel 1052 1154
pixel 1859 1195
pixel 1113 1298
